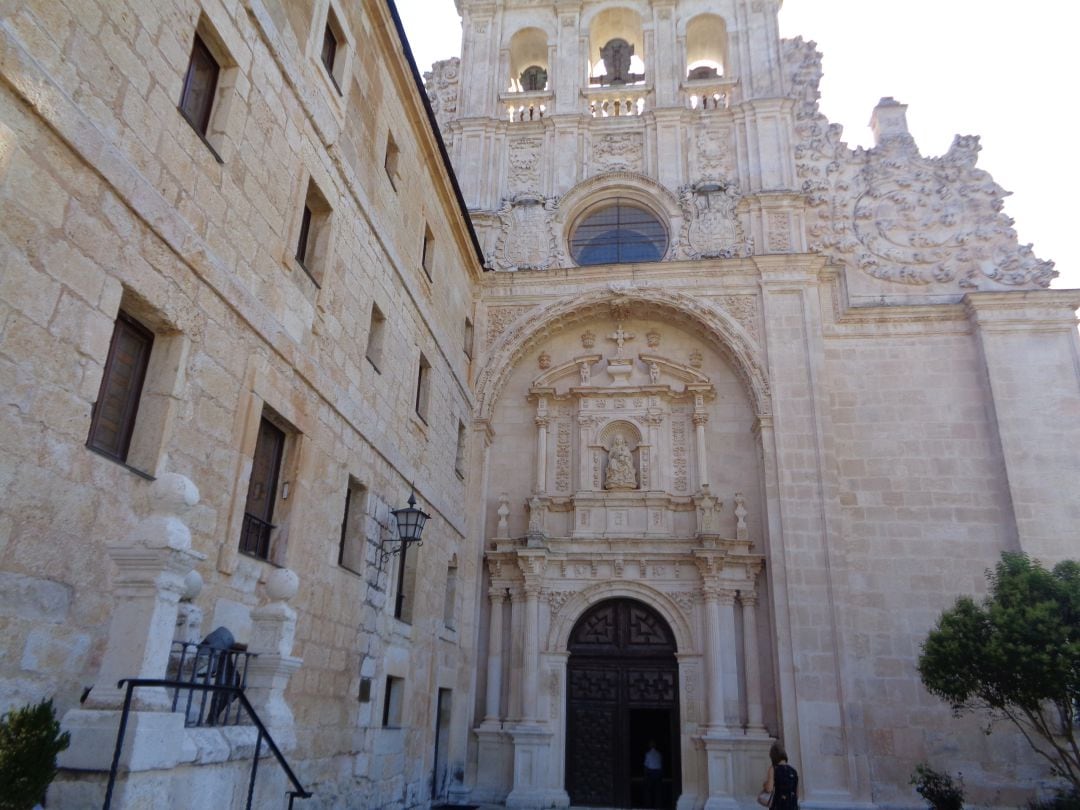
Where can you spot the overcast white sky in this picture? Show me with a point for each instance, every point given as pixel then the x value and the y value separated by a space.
pixel 1003 70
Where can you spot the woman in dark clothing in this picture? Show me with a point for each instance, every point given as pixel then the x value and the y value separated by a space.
pixel 782 781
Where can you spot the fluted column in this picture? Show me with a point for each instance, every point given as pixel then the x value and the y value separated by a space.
pixel 530 675
pixel 754 716
pixel 541 453
pixel 700 419
pixel 728 659
pixel 713 669
pixel 493 694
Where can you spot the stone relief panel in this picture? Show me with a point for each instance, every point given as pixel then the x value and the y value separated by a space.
pixel 526 238
pixel 896 215
pixel 617 152
pixel 713 156
pixel 711 225
pixel 498 319
pixel 523 155
pixel 744 309
pixel 562 456
pixel 441 83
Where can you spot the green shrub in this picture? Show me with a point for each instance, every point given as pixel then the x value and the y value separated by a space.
pixel 30 739
pixel 938 789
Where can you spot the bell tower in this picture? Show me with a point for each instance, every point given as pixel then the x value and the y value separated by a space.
pixel 678 104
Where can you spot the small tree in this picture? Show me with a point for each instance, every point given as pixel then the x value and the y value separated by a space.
pixel 1016 655
pixel 30 739
pixel 938 789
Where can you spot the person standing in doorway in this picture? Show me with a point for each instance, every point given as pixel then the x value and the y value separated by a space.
pixel 781 782
pixel 654 776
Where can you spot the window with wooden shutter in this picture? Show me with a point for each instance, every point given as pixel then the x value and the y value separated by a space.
pixel 200 85
pixel 262 490
pixel 121 386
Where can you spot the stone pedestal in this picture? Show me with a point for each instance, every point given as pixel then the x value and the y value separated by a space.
pixel 533 770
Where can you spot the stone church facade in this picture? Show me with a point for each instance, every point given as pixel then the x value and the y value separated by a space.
pixel 734 412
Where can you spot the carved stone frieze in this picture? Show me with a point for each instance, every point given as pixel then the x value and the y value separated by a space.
pixel 526 239
pixel 685 600
pixel 679 461
pixel 896 215
pixel 711 225
pixel 498 319
pixel 714 154
pixel 523 155
pixel 556 599
pixel 744 309
pixel 562 456
pixel 617 152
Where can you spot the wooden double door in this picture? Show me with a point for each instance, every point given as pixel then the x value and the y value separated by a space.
pixel 622 699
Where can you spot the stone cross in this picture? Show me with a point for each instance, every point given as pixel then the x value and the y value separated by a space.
pixel 620 337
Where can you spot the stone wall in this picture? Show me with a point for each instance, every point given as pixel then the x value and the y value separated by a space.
pixel 111 201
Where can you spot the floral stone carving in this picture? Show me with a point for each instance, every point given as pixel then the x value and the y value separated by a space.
pixel 617 152
pixel 711 226
pixel 441 83
pixel 526 240
pixel 895 214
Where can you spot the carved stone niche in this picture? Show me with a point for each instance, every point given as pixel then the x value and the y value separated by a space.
pixel 620 456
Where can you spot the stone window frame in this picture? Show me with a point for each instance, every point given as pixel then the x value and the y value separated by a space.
pixel 163 385
pixel 392 160
pixel 422 401
pixel 617 201
pixel 337 73
pixel 393 702
pixel 228 86
pixel 460 451
pixel 685 33
pixel 376 341
pixel 352 550
pixel 469 338
pixel 313 241
pixel 427 253
pixel 450 594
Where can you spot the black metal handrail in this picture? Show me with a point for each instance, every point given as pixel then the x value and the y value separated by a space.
pixel 191 663
pixel 131 684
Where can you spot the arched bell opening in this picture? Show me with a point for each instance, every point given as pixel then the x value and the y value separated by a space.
pixel 621 702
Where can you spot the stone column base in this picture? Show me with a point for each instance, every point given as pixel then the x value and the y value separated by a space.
pixel 736 767
pixel 494 764
pixel 533 788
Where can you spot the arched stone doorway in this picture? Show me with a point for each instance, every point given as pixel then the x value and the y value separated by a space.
pixel 622 692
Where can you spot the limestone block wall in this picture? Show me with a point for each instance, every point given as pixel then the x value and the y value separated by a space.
pixel 110 201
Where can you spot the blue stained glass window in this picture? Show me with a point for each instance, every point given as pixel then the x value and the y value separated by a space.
pixel 618 233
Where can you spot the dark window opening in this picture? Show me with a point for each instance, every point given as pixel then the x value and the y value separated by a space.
pixel 200 84
pixel 620 233
pixel 262 491
pixel 302 242
pixel 117 405
pixel 329 50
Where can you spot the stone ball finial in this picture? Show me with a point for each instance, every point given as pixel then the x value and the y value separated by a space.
pixel 193 584
pixel 173 493
pixel 282 585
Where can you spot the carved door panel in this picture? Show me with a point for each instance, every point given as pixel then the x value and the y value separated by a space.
pixel 622 691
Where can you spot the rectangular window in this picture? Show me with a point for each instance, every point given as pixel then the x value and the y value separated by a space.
pixel 423 383
pixel 262 490
pixel 329 51
pixel 459 456
pixel 375 337
pixel 427 256
pixel 302 242
pixel 392 702
pixel 313 240
pixel 353 538
pixel 117 405
pixel 468 338
pixel 390 161
pixel 200 86
pixel 450 598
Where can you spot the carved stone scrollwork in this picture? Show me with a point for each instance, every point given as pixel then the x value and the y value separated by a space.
pixel 527 238
pixel 617 152
pixel 711 225
pixel 896 215
pixel 441 83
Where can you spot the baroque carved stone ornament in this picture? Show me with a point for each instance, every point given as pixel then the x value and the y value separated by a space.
pixel 527 239
pixel 619 152
pixel 711 226
pixel 620 468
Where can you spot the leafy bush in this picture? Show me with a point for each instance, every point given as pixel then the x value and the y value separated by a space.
pixel 30 739
pixel 938 789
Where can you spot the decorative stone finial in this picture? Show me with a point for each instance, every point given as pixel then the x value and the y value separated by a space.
pixel 889 120
pixel 193 585
pixel 282 585
pixel 502 531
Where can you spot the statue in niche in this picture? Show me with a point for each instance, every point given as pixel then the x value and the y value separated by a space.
pixel 533 79
pixel 654 373
pixel 586 372
pixel 616 55
pixel 620 467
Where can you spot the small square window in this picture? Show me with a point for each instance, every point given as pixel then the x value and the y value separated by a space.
pixel 329 51
pixel 375 337
pixel 423 385
pixel 313 239
pixel 353 538
pixel 427 257
pixel 392 702
pixel 200 86
pixel 390 161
